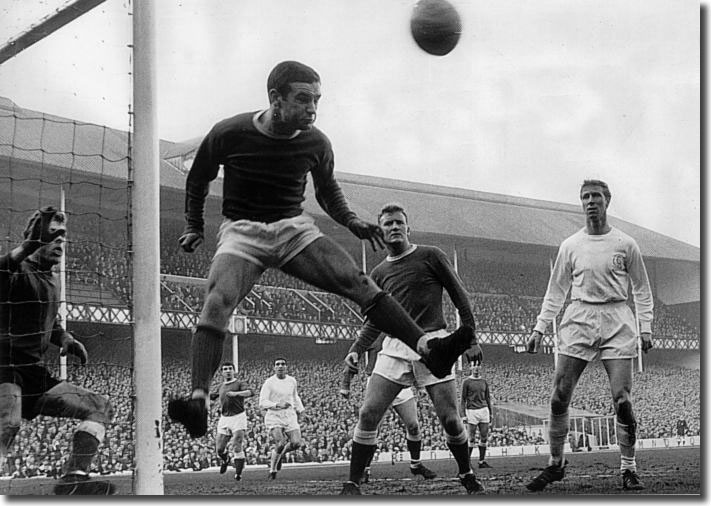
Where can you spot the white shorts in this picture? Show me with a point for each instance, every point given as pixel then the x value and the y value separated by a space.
pixel 281 419
pixel 477 416
pixel 408 372
pixel 402 397
pixel 267 244
pixel 228 425
pixel 591 330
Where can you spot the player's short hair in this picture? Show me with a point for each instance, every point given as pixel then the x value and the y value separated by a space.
pixel 226 363
pixel 278 359
pixel 288 72
pixel 597 182
pixel 392 207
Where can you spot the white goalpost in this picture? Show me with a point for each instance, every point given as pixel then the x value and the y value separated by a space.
pixel 146 260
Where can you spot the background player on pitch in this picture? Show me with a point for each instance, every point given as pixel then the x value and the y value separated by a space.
pixel 280 398
pixel 476 410
pixel 233 419
pixel 405 407
pixel 599 262
pixel 416 277
pixel 266 156
pixel 29 300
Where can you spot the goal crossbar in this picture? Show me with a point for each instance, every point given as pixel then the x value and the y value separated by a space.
pixel 46 26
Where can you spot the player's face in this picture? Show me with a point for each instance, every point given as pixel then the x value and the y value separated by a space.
pixel 298 107
pixel 52 253
pixel 594 201
pixel 476 369
pixel 395 228
pixel 280 368
pixel 228 372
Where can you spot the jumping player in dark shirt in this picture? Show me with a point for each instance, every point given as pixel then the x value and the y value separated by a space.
pixel 266 157
pixel 416 276
pixel 29 300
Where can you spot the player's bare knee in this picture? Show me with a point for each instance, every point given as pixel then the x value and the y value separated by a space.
pixel 451 423
pixel 367 419
pixel 559 402
pixel 623 408
pixel 358 287
pixel 413 430
pixel 100 409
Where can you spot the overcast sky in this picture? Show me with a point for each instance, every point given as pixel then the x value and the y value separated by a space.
pixel 537 96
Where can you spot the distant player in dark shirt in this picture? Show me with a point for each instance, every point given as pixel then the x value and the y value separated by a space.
pixel 266 157
pixel 416 276
pixel 233 419
pixel 29 300
pixel 475 409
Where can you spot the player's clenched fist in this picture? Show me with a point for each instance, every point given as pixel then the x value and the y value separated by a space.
pixel 646 341
pixel 351 361
pixel 191 240
pixel 534 342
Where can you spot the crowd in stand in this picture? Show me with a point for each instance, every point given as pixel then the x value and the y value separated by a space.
pixel 662 395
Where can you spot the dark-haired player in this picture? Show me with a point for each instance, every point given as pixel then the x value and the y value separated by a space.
pixel 266 156
pixel 475 410
pixel 596 264
pixel 29 300
pixel 280 399
pixel 416 276
pixel 233 419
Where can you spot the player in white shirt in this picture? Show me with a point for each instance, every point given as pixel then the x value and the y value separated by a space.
pixel 596 264
pixel 280 398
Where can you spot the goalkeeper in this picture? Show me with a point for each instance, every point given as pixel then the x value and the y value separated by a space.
pixel 29 299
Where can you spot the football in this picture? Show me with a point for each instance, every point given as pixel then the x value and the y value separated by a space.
pixel 436 26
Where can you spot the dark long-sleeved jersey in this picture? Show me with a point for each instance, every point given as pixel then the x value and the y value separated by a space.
pixel 475 394
pixel 29 300
pixel 232 405
pixel 264 177
pixel 416 280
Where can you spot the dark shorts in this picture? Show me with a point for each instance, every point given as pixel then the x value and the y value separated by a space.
pixel 33 379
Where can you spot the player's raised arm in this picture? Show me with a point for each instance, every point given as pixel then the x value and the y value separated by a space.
pixel 330 197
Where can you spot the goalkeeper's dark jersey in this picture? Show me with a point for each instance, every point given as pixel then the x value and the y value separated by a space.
pixel 232 405
pixel 264 177
pixel 29 300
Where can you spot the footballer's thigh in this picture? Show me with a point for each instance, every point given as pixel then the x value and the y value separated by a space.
pixel 444 400
pixel 230 279
pixel 326 265
pixel 379 395
pixel 66 400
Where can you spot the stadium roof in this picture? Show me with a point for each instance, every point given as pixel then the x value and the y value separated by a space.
pixel 67 144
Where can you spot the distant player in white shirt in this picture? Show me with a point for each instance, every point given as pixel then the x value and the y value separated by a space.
pixel 598 262
pixel 283 406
